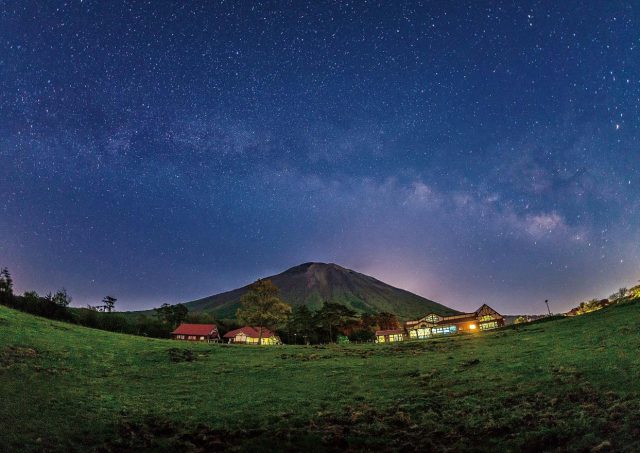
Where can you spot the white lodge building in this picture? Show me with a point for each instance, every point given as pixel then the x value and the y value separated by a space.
pixel 484 318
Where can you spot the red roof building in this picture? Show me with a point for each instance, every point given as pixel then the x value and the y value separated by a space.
pixel 251 335
pixel 196 332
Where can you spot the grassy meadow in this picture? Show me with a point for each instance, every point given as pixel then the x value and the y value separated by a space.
pixel 568 384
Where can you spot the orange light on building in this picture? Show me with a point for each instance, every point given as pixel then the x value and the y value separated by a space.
pixel 472 326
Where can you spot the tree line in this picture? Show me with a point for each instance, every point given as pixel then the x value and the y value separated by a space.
pixel 622 295
pixel 100 316
pixel 261 307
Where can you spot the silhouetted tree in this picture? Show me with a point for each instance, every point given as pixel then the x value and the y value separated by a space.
pixel 60 298
pixel 109 302
pixel 6 285
pixel 620 294
pixel 31 297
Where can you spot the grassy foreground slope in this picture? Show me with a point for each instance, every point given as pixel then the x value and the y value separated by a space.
pixel 571 383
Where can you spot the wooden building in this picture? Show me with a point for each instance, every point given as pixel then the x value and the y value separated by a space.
pixel 390 336
pixel 196 332
pixel 484 318
pixel 251 335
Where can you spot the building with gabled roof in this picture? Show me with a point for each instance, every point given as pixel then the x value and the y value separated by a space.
pixel 484 318
pixel 196 332
pixel 251 335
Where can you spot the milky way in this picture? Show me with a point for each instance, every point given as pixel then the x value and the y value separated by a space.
pixel 468 152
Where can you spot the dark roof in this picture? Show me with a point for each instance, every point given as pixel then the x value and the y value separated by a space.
pixel 389 332
pixel 251 332
pixel 485 308
pixel 196 329
pixel 444 320
pixel 454 319
pixel 464 317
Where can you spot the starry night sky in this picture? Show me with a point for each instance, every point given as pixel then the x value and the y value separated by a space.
pixel 468 152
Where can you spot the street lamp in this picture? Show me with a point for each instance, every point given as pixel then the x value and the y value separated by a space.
pixel 546 301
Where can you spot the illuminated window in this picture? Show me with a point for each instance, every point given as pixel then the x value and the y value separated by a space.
pixel 423 333
pixel 485 318
pixel 444 330
pixel 488 325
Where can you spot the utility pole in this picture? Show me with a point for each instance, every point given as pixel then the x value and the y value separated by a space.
pixel 547 302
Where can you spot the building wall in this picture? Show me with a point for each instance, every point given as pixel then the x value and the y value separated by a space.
pixel 242 338
pixel 389 338
pixel 190 337
pixel 424 329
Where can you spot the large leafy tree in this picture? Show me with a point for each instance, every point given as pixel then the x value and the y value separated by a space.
pixel 180 313
pixel 301 323
pixel 333 316
pixel 387 321
pixel 261 306
pixel 171 315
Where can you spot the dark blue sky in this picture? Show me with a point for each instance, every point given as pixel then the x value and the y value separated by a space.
pixel 468 152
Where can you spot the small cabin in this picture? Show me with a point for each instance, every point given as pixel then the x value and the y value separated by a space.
pixel 251 335
pixel 389 336
pixel 196 332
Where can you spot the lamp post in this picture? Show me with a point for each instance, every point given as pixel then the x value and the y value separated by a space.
pixel 548 309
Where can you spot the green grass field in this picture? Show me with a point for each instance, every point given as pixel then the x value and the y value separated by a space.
pixel 569 384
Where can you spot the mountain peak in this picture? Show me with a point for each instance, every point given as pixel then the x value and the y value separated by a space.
pixel 313 264
pixel 314 283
